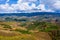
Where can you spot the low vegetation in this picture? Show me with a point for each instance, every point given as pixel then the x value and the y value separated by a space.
pixel 6 26
pixel 23 31
pixel 31 30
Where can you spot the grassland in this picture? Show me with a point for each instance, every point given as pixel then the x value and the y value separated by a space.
pixel 28 31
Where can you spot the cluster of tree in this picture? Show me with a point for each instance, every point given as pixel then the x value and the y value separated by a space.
pixel 14 19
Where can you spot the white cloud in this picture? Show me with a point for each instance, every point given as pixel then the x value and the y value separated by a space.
pixel 6 8
pixel 7 1
pixel 27 1
pixel 41 6
pixel 52 4
pixel 23 5
pixel 43 9
pixel 57 5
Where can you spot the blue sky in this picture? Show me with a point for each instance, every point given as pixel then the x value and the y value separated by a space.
pixel 19 6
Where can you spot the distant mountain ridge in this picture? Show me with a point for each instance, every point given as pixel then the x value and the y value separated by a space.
pixel 29 14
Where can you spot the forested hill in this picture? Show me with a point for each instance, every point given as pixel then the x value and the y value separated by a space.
pixel 29 14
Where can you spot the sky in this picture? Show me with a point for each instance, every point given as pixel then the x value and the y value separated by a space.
pixel 22 6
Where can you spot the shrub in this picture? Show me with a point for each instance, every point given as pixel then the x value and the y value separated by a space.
pixel 23 24
pixel 6 26
pixel 23 31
